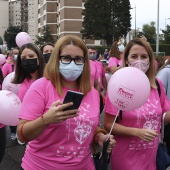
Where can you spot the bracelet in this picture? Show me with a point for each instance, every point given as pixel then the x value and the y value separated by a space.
pixel 98 130
pixel 21 132
pixel 43 120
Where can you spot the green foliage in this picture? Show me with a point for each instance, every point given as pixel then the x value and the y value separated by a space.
pixel 10 35
pixel 47 37
pixel 106 19
pixel 150 32
pixel 166 35
pixel 162 48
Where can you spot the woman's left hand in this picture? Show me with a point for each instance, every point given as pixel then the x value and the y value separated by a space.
pixel 102 138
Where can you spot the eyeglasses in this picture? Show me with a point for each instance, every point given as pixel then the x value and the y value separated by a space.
pixel 66 59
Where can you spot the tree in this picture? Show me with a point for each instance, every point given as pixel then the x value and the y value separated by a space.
pixel 149 31
pixel 10 35
pixel 106 19
pixel 46 37
pixel 166 35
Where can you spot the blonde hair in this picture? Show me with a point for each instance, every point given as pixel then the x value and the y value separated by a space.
pixel 151 71
pixel 52 73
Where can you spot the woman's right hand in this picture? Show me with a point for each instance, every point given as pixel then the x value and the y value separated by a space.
pixel 56 114
pixel 146 134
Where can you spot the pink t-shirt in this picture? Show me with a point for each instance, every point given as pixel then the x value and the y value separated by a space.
pixel 25 85
pixel 101 73
pixel 135 153
pixel 93 72
pixel 7 68
pixel 113 61
pixel 63 145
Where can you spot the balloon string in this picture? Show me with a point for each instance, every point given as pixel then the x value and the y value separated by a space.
pixel 113 124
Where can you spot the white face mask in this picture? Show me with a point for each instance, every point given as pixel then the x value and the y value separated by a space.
pixel 15 57
pixel 142 65
pixel 70 71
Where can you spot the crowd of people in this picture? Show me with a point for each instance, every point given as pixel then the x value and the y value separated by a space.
pixel 61 138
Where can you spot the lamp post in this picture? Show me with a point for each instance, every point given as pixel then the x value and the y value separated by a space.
pixel 157 39
pixel 165 22
pixel 135 19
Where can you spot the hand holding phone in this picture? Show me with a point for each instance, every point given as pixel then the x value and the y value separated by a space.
pixel 75 97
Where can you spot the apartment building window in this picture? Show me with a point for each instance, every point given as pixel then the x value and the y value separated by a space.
pixel 44 17
pixel 44 7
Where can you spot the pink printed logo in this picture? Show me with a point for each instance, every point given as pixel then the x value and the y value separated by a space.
pixel 121 104
pixel 126 93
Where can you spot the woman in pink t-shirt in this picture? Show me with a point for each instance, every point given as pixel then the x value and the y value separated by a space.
pixel 115 57
pixel 61 139
pixel 10 64
pixel 30 67
pixel 137 132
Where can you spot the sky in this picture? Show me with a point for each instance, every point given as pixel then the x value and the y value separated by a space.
pixel 146 11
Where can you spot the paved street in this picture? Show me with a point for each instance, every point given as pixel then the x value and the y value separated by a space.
pixel 13 155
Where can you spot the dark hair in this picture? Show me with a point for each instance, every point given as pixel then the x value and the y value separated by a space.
pixel 91 47
pixel 20 74
pixel 42 47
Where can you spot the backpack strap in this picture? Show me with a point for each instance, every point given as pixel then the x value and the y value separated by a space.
pixel 158 87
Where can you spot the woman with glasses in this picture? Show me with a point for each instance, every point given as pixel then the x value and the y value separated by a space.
pixel 59 138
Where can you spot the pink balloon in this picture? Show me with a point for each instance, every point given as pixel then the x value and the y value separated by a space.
pixel 2 59
pixel 22 38
pixel 128 88
pixel 7 85
pixel 10 106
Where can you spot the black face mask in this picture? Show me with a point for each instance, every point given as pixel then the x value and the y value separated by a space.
pixel 29 65
pixel 46 57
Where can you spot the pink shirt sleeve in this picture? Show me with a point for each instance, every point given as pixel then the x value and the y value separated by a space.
pixel 113 61
pixel 6 69
pixel 36 98
pixel 24 88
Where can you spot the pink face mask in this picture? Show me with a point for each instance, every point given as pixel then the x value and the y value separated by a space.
pixel 142 65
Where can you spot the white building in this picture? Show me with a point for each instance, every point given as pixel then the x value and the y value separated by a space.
pixel 4 17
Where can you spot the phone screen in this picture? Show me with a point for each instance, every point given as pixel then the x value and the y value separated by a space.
pixel 75 97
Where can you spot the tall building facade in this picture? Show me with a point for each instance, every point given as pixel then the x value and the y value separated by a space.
pixel 15 12
pixel 33 19
pixel 4 17
pixel 62 16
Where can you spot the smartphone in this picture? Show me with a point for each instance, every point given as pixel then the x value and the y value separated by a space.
pixel 75 97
